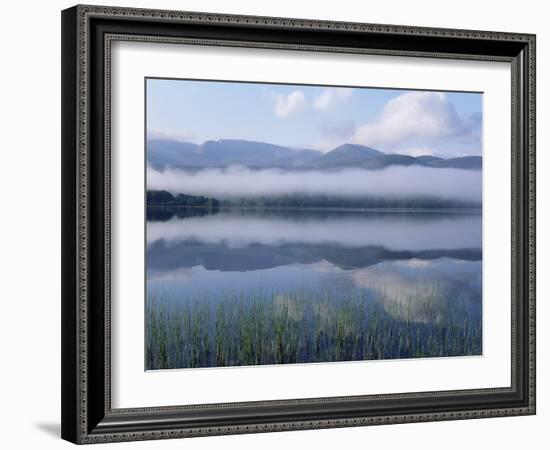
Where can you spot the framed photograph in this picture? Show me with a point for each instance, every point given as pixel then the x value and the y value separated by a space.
pixel 278 224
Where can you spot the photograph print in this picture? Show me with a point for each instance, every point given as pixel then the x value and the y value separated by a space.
pixel 310 224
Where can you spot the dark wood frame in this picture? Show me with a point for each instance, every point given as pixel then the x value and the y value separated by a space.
pixel 87 32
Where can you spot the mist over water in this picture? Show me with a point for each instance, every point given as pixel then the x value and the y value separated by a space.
pixel 393 231
pixel 390 183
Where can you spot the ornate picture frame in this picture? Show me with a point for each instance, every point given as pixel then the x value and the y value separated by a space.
pixel 88 33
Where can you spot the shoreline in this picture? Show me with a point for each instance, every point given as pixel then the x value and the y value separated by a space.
pixel 323 208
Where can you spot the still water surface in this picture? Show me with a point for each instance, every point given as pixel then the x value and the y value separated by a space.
pixel 242 287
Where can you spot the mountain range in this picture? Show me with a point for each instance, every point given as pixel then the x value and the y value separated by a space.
pixel 162 153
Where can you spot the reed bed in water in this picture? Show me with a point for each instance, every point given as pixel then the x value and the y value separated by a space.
pixel 305 327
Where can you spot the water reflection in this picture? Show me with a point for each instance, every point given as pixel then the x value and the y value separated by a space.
pixel 393 231
pixel 413 277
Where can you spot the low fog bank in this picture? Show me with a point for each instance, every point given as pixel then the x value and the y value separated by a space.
pixel 390 183
pixel 443 233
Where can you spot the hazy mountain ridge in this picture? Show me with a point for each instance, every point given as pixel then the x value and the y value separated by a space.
pixel 162 153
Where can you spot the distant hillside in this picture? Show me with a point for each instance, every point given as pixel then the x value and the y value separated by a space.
pixel 347 155
pixel 162 153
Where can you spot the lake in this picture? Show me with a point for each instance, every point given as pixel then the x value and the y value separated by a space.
pixel 234 287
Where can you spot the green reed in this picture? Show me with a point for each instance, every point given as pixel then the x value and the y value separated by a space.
pixel 305 327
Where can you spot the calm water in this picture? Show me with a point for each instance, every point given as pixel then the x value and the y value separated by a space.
pixel 242 287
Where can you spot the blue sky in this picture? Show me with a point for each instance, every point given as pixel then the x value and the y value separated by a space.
pixel 395 121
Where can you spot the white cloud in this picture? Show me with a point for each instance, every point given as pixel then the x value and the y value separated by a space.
pixel 428 117
pixel 296 101
pixel 286 105
pixel 331 97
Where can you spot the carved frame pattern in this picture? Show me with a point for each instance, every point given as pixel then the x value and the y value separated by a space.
pixel 85 432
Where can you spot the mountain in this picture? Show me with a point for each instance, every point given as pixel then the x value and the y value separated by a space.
pixel 299 158
pixel 429 159
pixel 384 161
pixel 347 155
pixel 163 153
pixel 233 151
pixel 464 162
